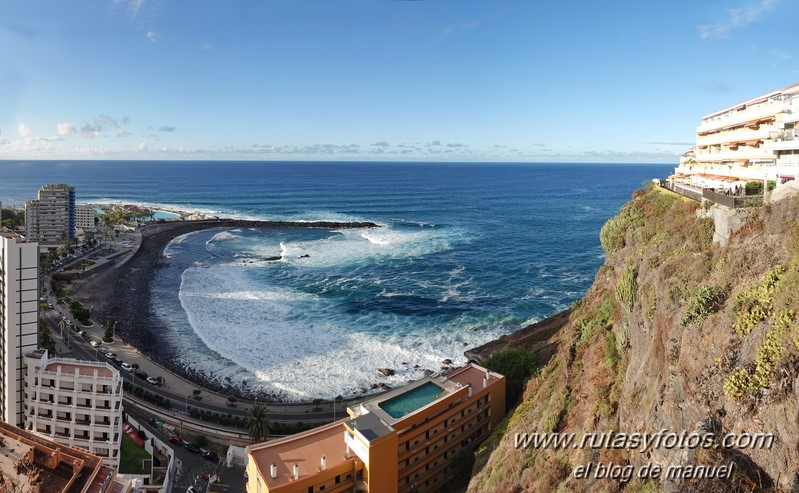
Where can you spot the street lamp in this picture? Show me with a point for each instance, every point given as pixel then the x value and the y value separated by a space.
pixel 115 329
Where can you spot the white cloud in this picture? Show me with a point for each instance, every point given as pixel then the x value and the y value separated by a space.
pixel 208 46
pixel 64 129
pixel 89 131
pixel 24 131
pixel 736 18
pixel 782 55
pixel 135 7
pixel 152 36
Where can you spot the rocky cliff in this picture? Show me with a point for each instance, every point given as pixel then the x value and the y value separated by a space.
pixel 676 337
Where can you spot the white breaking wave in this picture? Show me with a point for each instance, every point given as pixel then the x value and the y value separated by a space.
pixel 302 345
pixel 357 247
pixel 283 338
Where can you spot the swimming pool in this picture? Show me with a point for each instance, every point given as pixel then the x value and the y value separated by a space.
pixel 410 401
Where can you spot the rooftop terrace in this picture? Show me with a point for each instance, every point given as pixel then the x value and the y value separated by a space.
pixel 31 462
pixel 304 449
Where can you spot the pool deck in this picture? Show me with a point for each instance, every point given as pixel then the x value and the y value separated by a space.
pixel 373 405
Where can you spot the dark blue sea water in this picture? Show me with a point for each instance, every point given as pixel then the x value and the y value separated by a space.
pixel 467 252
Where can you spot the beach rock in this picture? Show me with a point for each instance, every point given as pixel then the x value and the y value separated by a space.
pixel 429 373
pixel 416 367
pixel 386 371
pixel 446 361
pixel 304 256
pixel 374 386
pixel 383 386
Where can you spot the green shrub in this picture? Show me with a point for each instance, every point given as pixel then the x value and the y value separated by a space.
pixel 626 289
pixel 517 364
pixel 741 381
pixel 599 320
pixel 613 232
pixel 738 384
pixel 754 304
pixel 612 356
pixel 706 301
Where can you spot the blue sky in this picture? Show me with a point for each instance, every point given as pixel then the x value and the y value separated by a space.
pixel 460 80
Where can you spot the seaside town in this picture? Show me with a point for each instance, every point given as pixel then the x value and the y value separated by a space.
pixel 88 405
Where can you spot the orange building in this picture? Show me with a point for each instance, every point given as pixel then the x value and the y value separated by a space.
pixel 409 440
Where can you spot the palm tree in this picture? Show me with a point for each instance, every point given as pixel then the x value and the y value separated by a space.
pixel 258 422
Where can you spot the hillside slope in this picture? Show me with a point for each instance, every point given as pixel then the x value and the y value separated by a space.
pixel 675 334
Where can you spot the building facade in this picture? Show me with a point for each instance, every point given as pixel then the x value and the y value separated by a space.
pixel 84 218
pixel 50 219
pixel 76 403
pixel 754 140
pixel 19 319
pixel 415 439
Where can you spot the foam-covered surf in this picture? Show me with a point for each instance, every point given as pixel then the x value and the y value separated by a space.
pixel 309 325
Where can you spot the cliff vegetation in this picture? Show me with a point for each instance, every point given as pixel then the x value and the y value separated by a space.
pixel 675 334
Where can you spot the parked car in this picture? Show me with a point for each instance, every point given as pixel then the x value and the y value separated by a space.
pixel 116 361
pixel 110 355
pixel 152 380
pixel 94 343
pixel 211 456
pixel 141 374
pixel 126 366
pixel 175 439
pixel 192 489
pixel 102 349
pixel 194 449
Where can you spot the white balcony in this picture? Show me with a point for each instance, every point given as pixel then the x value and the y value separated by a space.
pixel 743 153
pixel 735 136
pixel 734 117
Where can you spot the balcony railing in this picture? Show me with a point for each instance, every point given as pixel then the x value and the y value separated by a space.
pixel 732 201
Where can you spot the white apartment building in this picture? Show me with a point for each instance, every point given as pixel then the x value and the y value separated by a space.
pixel 75 403
pixel 752 140
pixel 50 219
pixel 84 218
pixel 19 319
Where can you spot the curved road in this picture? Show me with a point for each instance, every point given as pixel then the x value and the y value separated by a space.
pixel 81 349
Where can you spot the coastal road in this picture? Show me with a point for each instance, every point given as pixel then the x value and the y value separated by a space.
pixel 81 349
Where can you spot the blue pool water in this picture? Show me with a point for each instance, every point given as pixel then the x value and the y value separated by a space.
pixel 410 401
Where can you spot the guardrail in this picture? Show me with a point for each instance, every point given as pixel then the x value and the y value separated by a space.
pixel 732 201
pixel 689 192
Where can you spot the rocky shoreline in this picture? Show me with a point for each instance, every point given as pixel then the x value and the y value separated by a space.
pixel 122 293
pixel 538 338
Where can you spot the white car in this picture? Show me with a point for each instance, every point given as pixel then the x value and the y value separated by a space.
pixel 110 355
pixel 126 367
pixel 102 349
pixel 95 343
pixel 152 380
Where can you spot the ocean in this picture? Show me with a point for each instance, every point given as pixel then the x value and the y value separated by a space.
pixel 465 253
